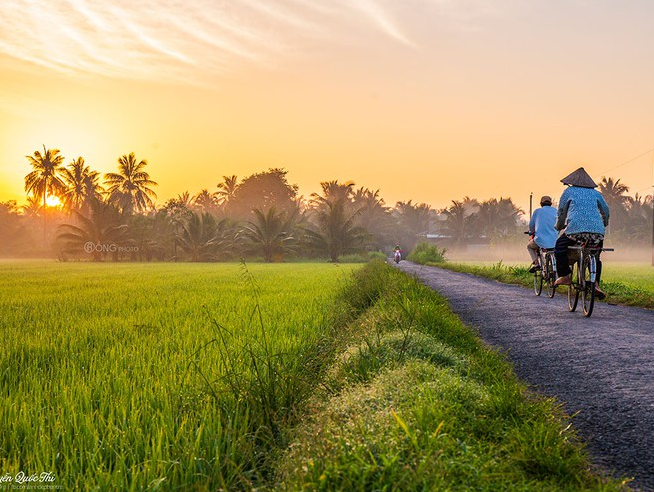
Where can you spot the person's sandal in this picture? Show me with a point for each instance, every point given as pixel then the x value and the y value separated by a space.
pixel 599 293
pixel 565 280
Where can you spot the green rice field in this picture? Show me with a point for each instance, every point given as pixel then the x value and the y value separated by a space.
pixel 154 376
pixel 639 275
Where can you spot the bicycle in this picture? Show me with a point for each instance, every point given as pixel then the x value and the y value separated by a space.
pixel 546 273
pixel 583 274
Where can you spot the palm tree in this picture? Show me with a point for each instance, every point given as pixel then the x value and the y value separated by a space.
pixel 204 239
pixel 333 191
pixel 336 232
pixel 130 188
pixel 97 234
pixel 81 186
pixel 270 232
pixel 227 189
pixel 44 180
pixel 206 201
pixel 413 220
pixel 457 222
pixel 374 216
pixel 614 194
pixel 497 218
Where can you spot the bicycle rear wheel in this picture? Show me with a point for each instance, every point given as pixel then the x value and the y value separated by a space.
pixel 573 290
pixel 538 282
pixel 587 287
pixel 550 276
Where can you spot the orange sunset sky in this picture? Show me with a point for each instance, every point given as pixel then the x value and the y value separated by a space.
pixel 429 100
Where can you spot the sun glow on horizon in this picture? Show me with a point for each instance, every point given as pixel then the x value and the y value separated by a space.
pixel 52 201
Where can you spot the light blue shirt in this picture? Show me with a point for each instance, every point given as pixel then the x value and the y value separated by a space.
pixel 582 210
pixel 541 225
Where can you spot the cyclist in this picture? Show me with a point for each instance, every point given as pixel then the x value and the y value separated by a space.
pixel 542 233
pixel 397 250
pixel 582 212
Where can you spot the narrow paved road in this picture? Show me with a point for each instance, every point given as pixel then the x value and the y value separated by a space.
pixel 601 368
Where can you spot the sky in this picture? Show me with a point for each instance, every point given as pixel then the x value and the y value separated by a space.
pixel 429 100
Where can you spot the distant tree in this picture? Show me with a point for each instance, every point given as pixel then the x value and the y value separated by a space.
pixel 33 208
pixel 497 219
pixel 15 237
pixel 262 191
pixel 177 211
pixel 98 234
pixel 130 188
pixel 374 216
pixel 638 224
pixel 334 191
pixel 271 233
pixel 334 231
pixel 81 186
pixel 45 178
pixel 227 189
pixel 413 220
pixel 206 201
pixel 458 221
pixel 205 239
pixel 615 194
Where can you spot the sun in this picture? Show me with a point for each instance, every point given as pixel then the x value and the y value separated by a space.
pixel 52 201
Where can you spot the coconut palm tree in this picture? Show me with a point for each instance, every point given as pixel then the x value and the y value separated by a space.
pixel 497 219
pixel 204 239
pixel 335 231
pixel 45 177
pixel 227 189
pixel 457 222
pixel 97 234
pixel 130 188
pixel 374 216
pixel 270 233
pixel 614 193
pixel 206 201
pixel 81 186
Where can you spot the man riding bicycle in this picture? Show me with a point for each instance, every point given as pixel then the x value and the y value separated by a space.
pixel 583 213
pixel 542 233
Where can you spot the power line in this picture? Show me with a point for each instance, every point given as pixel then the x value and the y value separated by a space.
pixel 626 162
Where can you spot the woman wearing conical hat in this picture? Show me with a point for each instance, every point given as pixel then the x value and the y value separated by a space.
pixel 582 212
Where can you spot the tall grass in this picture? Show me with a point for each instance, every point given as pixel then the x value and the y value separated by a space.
pixel 143 377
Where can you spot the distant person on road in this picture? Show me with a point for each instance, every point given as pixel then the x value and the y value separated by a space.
pixel 582 213
pixel 542 233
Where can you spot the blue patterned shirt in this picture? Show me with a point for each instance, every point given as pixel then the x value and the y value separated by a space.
pixel 582 210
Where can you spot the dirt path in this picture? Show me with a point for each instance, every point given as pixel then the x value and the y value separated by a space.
pixel 601 367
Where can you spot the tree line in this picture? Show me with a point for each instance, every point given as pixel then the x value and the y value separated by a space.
pixel 115 217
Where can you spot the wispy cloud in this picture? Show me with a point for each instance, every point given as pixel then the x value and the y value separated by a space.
pixel 174 40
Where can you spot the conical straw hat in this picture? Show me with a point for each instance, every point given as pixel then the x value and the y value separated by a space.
pixel 579 178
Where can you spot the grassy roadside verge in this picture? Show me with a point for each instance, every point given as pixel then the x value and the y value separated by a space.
pixel 417 402
pixel 617 292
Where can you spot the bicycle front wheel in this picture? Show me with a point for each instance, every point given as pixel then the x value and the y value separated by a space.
pixel 550 276
pixel 587 286
pixel 573 290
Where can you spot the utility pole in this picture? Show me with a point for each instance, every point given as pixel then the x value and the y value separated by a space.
pixel 531 201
